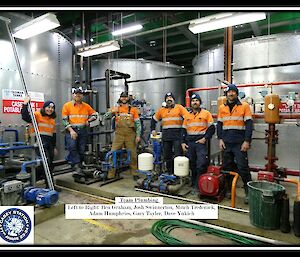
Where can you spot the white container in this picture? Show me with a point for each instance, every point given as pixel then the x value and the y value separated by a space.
pixel 145 161
pixel 181 166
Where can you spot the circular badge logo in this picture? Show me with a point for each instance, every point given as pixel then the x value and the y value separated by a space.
pixel 15 225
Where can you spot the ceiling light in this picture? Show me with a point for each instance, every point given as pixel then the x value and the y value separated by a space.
pixel 127 30
pixel 223 20
pixel 79 43
pixel 36 26
pixel 104 47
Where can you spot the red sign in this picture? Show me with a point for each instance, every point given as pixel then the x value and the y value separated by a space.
pixel 14 106
pixel 283 107
pixel 13 99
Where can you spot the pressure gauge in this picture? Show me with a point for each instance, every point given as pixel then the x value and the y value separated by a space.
pixel 271 106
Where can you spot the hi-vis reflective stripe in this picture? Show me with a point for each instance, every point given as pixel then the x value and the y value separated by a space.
pixel 247 118
pixel 42 133
pixel 196 133
pixel 172 118
pixel 78 116
pixel 231 118
pixel 78 124
pixel 155 118
pixel 234 127
pixel 126 114
pixel 171 126
pixel 65 117
pixel 203 124
pixel 45 125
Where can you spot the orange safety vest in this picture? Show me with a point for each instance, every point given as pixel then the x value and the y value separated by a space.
pixel 236 118
pixel 171 117
pixel 77 114
pixel 197 124
pixel 46 125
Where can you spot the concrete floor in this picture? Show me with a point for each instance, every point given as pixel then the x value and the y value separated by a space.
pixel 53 229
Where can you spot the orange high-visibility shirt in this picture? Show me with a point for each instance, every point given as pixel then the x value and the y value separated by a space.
pixel 236 118
pixel 197 123
pixel 77 114
pixel 46 125
pixel 171 117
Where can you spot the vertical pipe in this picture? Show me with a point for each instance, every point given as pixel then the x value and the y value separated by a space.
pixel 228 54
pixel 107 82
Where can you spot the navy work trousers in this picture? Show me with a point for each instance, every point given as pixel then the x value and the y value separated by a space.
pixel 197 154
pixel 76 147
pixel 234 158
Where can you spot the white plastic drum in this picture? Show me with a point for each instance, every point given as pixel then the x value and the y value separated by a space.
pixel 181 166
pixel 145 161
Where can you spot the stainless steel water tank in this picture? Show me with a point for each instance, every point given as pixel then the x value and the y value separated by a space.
pixel 257 51
pixel 46 61
pixel 152 91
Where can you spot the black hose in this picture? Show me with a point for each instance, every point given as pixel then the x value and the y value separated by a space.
pixel 285 226
pixel 297 218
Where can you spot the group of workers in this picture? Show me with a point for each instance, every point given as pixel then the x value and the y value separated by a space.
pixel 183 132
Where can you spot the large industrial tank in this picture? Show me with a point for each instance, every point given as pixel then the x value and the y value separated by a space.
pixel 279 49
pixel 152 91
pixel 46 62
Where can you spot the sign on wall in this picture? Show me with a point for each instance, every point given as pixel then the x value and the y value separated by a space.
pixel 12 100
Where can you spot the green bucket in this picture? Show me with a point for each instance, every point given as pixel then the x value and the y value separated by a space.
pixel 265 200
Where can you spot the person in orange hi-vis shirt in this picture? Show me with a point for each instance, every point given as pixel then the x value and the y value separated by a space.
pixel 198 128
pixel 127 131
pixel 77 116
pixel 234 130
pixel 171 116
pixel 45 119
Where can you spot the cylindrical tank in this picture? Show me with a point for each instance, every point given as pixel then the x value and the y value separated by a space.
pixel 254 52
pixel 145 161
pixel 181 166
pixel 46 62
pixel 272 102
pixel 153 91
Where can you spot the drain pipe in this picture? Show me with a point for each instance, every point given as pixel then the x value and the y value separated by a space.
pixel 251 236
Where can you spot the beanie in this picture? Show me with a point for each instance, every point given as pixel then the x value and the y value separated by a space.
pixel 169 94
pixel 124 94
pixel 196 96
pixel 231 87
pixel 49 103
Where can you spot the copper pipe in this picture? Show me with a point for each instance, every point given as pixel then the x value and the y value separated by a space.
pixel 233 187
pixel 262 116
pixel 295 182
pixel 278 83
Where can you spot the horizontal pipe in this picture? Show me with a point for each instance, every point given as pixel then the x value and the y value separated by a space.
pixel 17 147
pixel 290 172
pixel 27 163
pixel 278 83
pixel 255 237
pixel 190 200
pixel 262 116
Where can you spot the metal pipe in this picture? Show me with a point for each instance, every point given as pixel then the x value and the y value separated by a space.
pixel 27 163
pixel 190 200
pixel 37 133
pixel 278 83
pixel 233 187
pixel 255 237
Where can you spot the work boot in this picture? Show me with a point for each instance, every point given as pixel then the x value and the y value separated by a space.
pixel 246 200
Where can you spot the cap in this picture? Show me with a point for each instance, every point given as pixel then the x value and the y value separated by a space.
pixel 169 94
pixel 124 94
pixel 49 103
pixel 195 96
pixel 231 87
